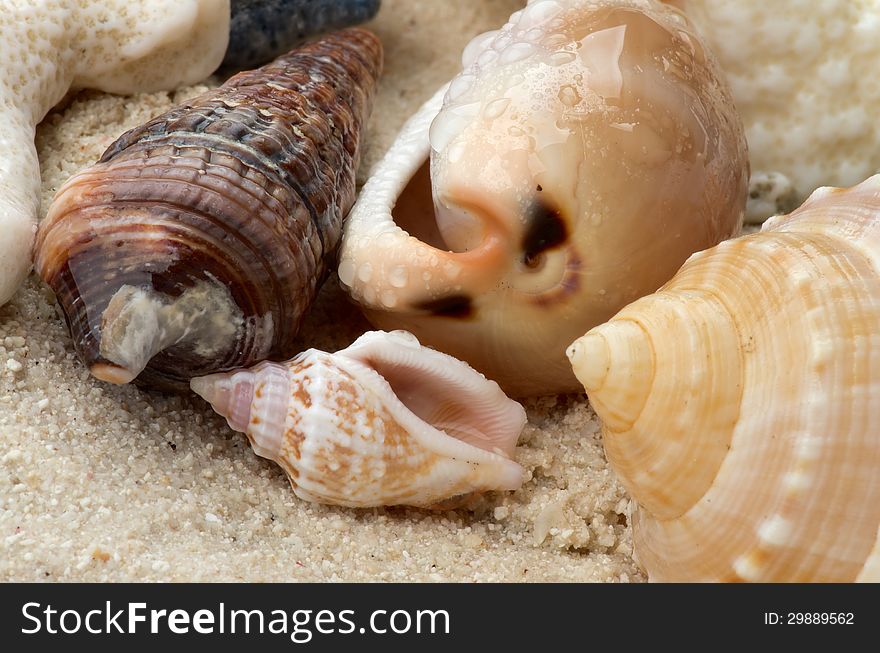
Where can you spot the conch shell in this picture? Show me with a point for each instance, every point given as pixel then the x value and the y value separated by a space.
pixel 741 401
pixel 586 150
pixel 199 240
pixel 804 79
pixel 382 422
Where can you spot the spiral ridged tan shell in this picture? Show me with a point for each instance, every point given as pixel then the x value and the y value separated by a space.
pixel 384 421
pixel 741 402
pixel 199 240
pixel 585 151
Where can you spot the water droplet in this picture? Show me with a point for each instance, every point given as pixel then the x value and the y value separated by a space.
pixel 477 45
pixel 460 86
pixel 451 269
pixel 495 108
pixel 569 96
pixel 346 272
pixel 562 57
pixel 387 239
pixel 487 57
pixel 449 123
pixel 389 298
pixel 534 35
pixel 399 276
pixel 516 52
pixel 455 152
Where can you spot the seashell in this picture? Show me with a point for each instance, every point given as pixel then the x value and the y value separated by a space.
pixel 123 46
pixel 199 240
pixel 586 150
pixel 807 94
pixel 261 30
pixel 48 47
pixel 740 402
pixel 382 422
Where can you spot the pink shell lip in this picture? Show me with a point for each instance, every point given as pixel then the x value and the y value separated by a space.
pixel 492 422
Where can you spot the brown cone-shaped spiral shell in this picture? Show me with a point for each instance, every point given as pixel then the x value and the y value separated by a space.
pixel 199 240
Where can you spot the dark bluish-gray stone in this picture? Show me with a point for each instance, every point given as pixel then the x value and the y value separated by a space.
pixel 260 30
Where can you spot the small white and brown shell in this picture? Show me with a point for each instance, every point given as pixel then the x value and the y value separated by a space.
pixel 383 422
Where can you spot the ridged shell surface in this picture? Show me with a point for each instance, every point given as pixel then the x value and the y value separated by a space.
pixel 740 402
pixel 585 151
pixel 263 29
pixel 199 240
pixel 382 422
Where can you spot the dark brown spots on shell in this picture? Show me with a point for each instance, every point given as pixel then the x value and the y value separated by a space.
pixel 459 306
pixel 291 449
pixel 545 230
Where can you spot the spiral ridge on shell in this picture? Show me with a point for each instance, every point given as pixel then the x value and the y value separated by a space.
pixel 203 235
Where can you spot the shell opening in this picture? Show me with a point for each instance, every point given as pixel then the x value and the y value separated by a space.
pixel 413 211
pixel 448 395
pixel 139 323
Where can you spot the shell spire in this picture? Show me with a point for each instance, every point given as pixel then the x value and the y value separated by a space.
pixel 382 422
pixel 740 402
pixel 199 240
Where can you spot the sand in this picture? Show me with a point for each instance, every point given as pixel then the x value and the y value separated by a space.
pixel 104 483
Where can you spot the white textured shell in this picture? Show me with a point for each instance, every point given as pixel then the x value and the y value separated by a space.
pixel 585 151
pixel 382 422
pixel 804 77
pixel 740 402
pixel 48 47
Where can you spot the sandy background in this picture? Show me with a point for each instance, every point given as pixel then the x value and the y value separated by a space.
pixel 116 483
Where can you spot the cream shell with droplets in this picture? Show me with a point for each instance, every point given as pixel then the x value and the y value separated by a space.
pixel 587 148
